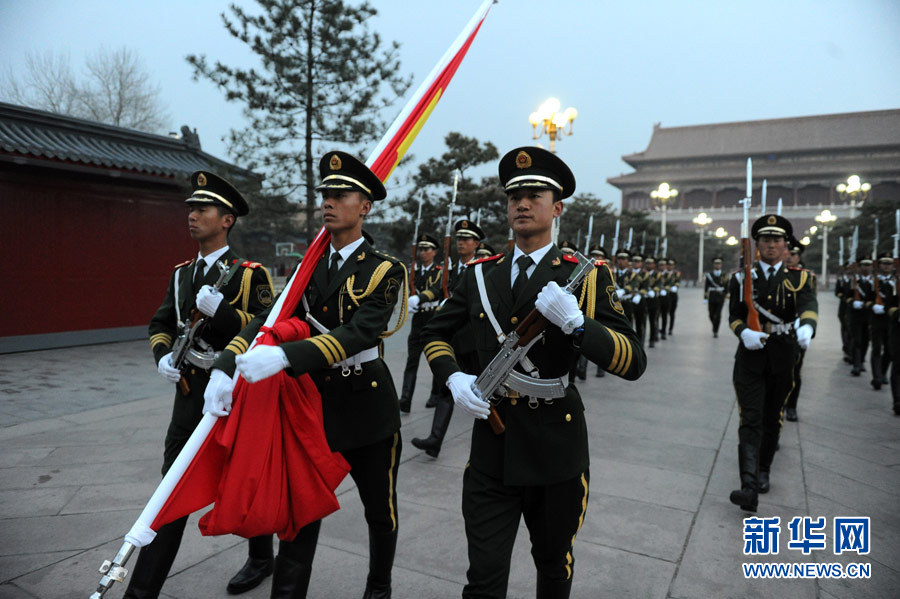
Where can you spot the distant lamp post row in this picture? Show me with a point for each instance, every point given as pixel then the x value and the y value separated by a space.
pixel 856 190
pixel 827 219
pixel 702 221
pixel 549 120
pixel 661 195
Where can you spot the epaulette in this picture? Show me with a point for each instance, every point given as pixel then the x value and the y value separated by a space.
pixel 438 267
pixel 185 263
pixel 569 258
pixel 248 264
pixel 486 259
pixel 385 256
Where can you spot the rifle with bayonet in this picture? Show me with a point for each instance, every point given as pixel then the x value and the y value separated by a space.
pixel 615 247
pixel 415 248
pixel 587 240
pixel 875 277
pixel 445 277
pixel 190 348
pixel 514 347
pixel 747 257
pixel 854 250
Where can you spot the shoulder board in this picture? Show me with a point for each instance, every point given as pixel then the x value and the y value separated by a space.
pixel 438 267
pixel 599 262
pixel 248 264
pixel 487 259
pixel 384 256
pixel 569 258
pixel 185 263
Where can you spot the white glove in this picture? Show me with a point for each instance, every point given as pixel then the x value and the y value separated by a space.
pixel 261 362
pixel 877 309
pixel 208 300
pixel 620 292
pixel 217 397
pixel 651 294
pixel 467 396
pixel 662 293
pixel 753 340
pixel 804 335
pixel 166 369
pixel 559 307
pixel 674 288
pixel 857 304
pixel 412 304
pixel 636 298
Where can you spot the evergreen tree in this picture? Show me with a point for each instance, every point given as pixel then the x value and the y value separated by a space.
pixel 323 81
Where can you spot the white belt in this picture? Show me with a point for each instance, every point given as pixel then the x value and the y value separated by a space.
pixel 356 360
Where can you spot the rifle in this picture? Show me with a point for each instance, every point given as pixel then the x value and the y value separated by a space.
pixel 762 207
pixel 412 262
pixel 616 238
pixel 854 249
pixel 587 240
pixel 445 277
pixel 875 266
pixel 747 256
pixel 656 247
pixel 185 347
pixel 602 239
pixel 514 348
pixel 510 242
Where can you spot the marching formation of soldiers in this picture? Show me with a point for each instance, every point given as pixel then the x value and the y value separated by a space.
pixel 650 293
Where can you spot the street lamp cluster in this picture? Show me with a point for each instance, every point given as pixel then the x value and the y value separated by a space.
pixel 549 120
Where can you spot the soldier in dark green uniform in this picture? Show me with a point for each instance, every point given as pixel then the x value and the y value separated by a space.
pixel 214 206
pixel 348 305
pixel 468 238
pixel 763 364
pixel 427 279
pixel 883 293
pixel 860 298
pixel 893 312
pixel 598 252
pixel 672 292
pixel 538 467
pixel 637 287
pixel 715 286
pixel 484 251
pixel 841 286
pixel 794 261
pixel 652 279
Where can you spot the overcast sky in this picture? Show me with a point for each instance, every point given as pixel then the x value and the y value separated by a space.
pixel 623 65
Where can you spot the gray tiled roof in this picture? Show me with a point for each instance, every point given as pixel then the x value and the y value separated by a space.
pixel 34 133
pixel 875 129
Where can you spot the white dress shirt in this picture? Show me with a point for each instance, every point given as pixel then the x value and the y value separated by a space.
pixel 536 256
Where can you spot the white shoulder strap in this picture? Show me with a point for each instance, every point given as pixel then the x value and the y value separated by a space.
pixel 309 317
pixel 177 302
pixel 486 304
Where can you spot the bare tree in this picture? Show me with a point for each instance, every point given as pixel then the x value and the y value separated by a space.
pixel 115 89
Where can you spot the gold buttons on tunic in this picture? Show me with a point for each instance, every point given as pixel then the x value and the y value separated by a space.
pixel 324 308
pixel 513 401
pixel 481 316
pixel 374 384
pixel 514 320
pixel 568 418
pixel 327 379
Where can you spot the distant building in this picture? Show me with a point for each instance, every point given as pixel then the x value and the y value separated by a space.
pixel 802 159
pixel 93 221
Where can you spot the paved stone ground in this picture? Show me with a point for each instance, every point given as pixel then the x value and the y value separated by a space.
pixel 80 449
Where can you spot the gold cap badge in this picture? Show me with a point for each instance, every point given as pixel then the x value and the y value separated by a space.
pixel 201 179
pixel 771 220
pixel 465 224
pixel 335 162
pixel 523 160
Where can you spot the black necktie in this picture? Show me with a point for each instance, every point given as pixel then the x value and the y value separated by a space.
pixel 770 272
pixel 333 268
pixel 523 263
pixel 198 274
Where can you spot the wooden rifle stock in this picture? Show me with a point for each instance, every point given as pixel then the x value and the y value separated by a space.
pixel 752 312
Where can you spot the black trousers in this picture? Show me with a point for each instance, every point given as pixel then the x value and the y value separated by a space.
pixel 653 318
pixel 715 312
pixel 374 470
pixel 415 343
pixel 894 339
pixel 640 320
pixel 880 358
pixel 795 392
pixel 664 311
pixel 859 335
pixel 763 379
pixel 673 305
pixel 846 338
pixel 553 514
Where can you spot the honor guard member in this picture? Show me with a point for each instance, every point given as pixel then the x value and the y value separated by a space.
pixel 484 251
pixel 674 284
pixel 597 252
pixel 841 287
pixel 715 287
pixel 623 274
pixel 893 312
pixel 348 305
pixel 421 305
pixel 652 279
pixel 763 364
pixel 662 267
pixel 567 248
pixel 793 260
pixel 213 208
pixel 468 238
pixel 883 292
pixel 538 467
pixel 860 299
pixel 638 287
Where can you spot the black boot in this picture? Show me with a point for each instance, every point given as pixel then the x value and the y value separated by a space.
pixel 748 460
pixel 600 371
pixel 260 564
pixel 581 368
pixel 154 562
pixel 552 589
pixel 406 392
pixel 442 414
pixel 432 400
pixel 767 450
pixel 382 546
pixel 291 579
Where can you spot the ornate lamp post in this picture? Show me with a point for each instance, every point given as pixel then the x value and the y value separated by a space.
pixel 661 195
pixel 856 190
pixel 826 219
pixel 548 119
pixel 702 220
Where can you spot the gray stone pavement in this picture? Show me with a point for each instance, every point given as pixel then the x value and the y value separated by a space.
pixel 80 450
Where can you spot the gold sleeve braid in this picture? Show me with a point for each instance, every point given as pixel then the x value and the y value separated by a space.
pixel 622 353
pixel 436 349
pixel 163 338
pixel 238 345
pixel 377 276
